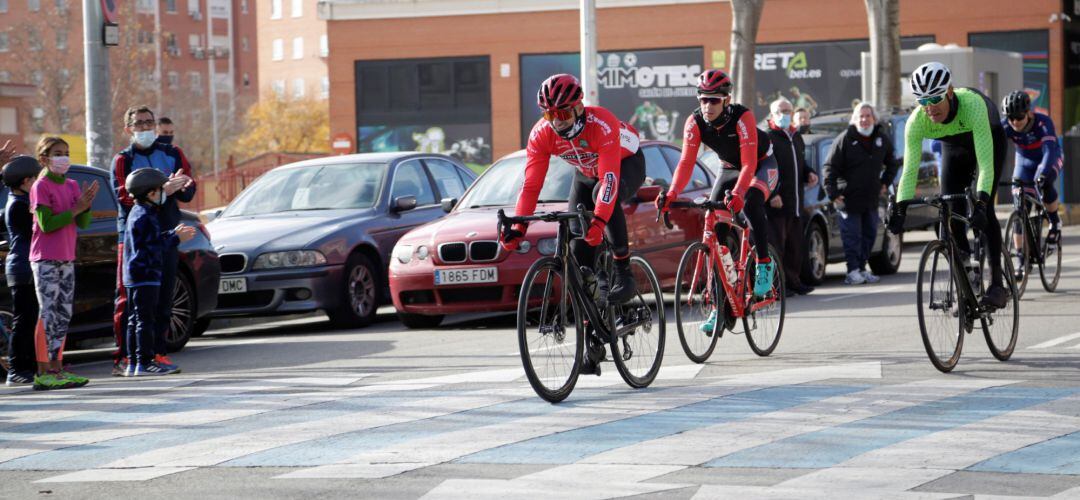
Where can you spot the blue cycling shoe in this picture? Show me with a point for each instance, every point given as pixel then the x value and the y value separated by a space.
pixel 763 278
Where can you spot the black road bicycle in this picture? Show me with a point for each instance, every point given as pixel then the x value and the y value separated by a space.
pixel 562 305
pixel 1030 221
pixel 950 286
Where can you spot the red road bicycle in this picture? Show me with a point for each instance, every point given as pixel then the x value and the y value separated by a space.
pixel 713 278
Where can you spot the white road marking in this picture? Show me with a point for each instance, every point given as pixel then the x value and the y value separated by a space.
pixel 868 291
pixel 102 475
pixel 1059 340
pixel 575 481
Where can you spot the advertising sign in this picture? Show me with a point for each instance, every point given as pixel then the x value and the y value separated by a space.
pixel 466 142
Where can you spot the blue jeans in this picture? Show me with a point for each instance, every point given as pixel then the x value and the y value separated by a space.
pixel 857 231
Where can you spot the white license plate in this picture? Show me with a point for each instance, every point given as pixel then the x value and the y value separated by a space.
pixel 466 276
pixel 232 285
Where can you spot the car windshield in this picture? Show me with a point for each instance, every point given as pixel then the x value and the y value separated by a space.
pixel 318 187
pixel 501 183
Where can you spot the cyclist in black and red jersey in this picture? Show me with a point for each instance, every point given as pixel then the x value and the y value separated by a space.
pixel 610 169
pixel 749 168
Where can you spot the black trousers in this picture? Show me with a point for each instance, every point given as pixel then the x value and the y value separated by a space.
pixel 142 307
pixel 959 169
pixel 787 235
pixel 585 190
pixel 25 316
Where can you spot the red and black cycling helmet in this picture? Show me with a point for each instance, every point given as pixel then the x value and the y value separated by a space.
pixel 559 92
pixel 713 81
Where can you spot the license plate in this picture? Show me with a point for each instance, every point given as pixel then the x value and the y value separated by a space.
pixel 466 276
pixel 232 285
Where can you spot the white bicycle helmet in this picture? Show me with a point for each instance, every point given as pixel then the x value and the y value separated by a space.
pixel 930 80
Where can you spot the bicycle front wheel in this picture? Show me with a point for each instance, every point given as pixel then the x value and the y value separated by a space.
pixel 941 310
pixel 764 318
pixel 1050 263
pixel 550 333
pixel 638 345
pixel 698 293
pixel 1002 327
pixel 1021 253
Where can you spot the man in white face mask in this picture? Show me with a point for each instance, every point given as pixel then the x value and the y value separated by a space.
pixel 784 206
pixel 863 158
pixel 146 152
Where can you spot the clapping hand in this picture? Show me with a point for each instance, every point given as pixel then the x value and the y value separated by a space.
pixel 86 199
pixel 177 181
pixel 184 232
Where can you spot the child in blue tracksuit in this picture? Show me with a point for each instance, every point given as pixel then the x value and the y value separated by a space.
pixel 19 175
pixel 145 246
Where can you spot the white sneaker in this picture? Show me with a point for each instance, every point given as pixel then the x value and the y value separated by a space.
pixel 854 278
pixel 870 277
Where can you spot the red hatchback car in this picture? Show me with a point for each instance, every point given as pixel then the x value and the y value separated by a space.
pixel 455 265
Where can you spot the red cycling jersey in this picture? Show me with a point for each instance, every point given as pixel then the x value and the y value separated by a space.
pixel 737 142
pixel 597 152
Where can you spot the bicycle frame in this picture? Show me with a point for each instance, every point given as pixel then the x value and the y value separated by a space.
pixel 966 290
pixel 1023 205
pixel 736 300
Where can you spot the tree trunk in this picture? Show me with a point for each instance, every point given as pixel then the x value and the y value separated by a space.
pixel 884 20
pixel 745 17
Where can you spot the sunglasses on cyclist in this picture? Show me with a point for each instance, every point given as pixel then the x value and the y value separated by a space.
pixel 712 100
pixel 561 114
pixel 1016 118
pixel 930 101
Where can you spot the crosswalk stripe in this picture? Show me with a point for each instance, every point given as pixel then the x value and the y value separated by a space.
pixel 711 491
pixel 1052 456
pixel 579 481
pixel 1056 341
pixel 852 439
pixel 108 475
pixel 700 445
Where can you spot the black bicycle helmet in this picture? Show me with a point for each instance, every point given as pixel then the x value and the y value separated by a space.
pixel 19 169
pixel 144 180
pixel 1016 103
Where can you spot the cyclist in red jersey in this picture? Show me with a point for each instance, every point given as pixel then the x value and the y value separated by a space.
pixel 610 169
pixel 749 169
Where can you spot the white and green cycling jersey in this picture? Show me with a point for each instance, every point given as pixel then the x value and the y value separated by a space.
pixel 972 116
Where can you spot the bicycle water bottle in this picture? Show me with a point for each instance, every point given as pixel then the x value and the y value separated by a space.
pixel 729 266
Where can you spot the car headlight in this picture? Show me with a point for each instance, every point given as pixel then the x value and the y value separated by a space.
pixel 422 252
pixel 546 246
pixel 293 258
pixel 403 253
pixel 524 246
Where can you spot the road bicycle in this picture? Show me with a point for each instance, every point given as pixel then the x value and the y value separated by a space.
pixel 950 286
pixel 561 304
pixel 1030 221
pixel 709 279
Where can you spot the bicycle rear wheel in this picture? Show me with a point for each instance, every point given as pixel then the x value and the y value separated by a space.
pixel 941 310
pixel 1002 327
pixel 1050 263
pixel 550 334
pixel 1023 252
pixel 638 346
pixel 764 318
pixel 697 296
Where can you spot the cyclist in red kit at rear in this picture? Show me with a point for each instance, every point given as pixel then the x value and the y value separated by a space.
pixel 610 168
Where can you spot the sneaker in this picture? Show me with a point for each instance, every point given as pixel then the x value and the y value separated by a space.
pixel 870 277
pixel 19 378
pixel 854 278
pixel 119 368
pixel 150 370
pixel 709 325
pixel 166 363
pixel 76 380
pixel 995 296
pixel 763 278
pixel 50 381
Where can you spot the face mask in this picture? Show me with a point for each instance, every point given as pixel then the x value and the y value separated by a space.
pixel 161 197
pixel 865 132
pixel 59 164
pixel 144 139
pixel 165 139
pixel 783 121
pixel 805 129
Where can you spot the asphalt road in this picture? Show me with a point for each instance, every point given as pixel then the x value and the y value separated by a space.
pixel 847 407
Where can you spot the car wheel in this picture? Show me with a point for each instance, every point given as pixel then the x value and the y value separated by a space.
pixel 419 321
pixel 816 256
pixel 182 322
pixel 360 300
pixel 887 261
pixel 201 326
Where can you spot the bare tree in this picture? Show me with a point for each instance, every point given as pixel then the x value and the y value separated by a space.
pixel 746 15
pixel 884 19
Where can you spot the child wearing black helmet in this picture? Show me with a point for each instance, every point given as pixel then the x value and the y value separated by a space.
pixel 145 245
pixel 19 176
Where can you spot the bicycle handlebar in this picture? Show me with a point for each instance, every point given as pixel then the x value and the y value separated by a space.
pixel 505 221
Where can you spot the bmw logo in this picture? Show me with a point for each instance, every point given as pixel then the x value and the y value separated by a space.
pixel 472 234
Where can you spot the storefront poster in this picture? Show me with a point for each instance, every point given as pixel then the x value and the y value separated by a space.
pixel 1035 47
pixel 469 143
pixel 652 90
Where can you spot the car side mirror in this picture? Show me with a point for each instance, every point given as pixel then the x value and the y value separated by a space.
pixel 448 204
pixel 403 203
pixel 648 193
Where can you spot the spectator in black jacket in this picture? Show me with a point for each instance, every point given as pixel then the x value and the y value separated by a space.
pixel 785 204
pixel 862 158
pixel 802 120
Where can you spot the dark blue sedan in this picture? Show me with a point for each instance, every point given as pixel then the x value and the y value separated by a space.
pixel 318 234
